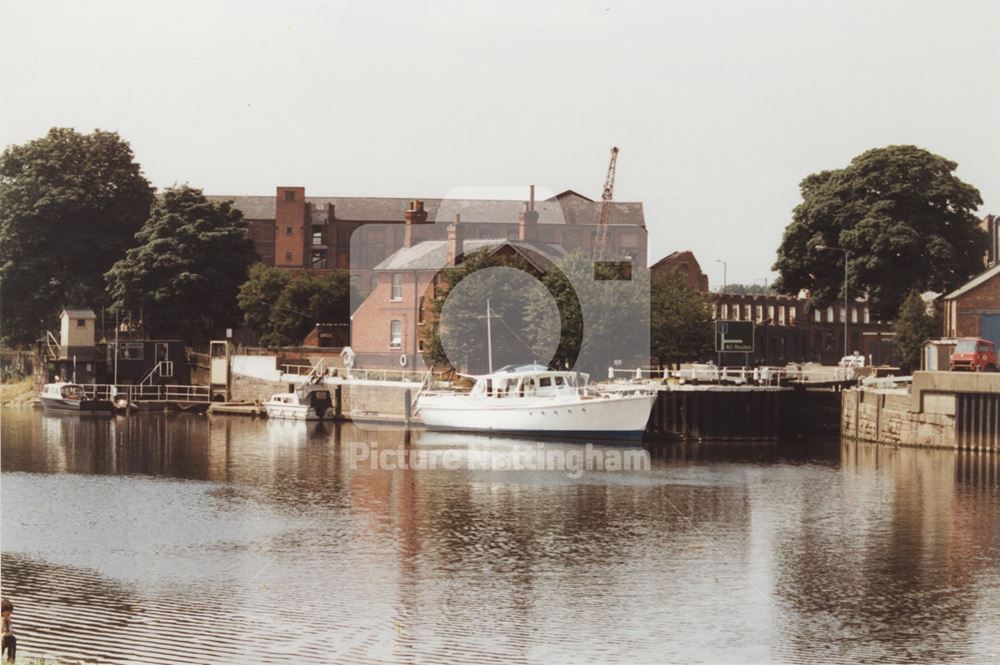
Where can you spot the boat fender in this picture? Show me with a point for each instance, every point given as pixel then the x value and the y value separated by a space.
pixel 402 360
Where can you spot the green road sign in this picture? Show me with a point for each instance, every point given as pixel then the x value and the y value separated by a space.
pixel 734 336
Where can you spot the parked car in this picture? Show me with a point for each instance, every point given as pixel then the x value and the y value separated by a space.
pixel 973 354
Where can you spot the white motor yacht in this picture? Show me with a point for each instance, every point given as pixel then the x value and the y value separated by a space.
pixel 532 399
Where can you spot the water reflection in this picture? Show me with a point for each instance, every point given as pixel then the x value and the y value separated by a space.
pixel 791 551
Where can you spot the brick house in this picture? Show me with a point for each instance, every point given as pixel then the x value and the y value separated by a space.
pixel 391 325
pixel 688 266
pixel 973 310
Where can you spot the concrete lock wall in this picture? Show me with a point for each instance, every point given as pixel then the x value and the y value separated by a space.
pixel 941 409
pixel 389 399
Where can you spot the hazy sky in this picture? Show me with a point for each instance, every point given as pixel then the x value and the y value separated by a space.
pixel 719 108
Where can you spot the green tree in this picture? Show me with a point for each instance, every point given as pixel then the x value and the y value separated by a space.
pixel 70 205
pixel 461 338
pixel 604 318
pixel 913 326
pixel 259 295
pixel 283 307
pixel 681 320
pixel 749 290
pixel 192 256
pixel 906 221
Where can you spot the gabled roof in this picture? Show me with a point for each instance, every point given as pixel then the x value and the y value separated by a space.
pixel 568 194
pixel 566 208
pixel 79 313
pixel 433 254
pixel 976 281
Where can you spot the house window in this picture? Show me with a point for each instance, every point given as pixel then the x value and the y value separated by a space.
pixel 130 351
pixel 420 345
pixel 793 315
pixel 289 195
pixel 288 230
pixel 829 314
pixel 736 312
pixel 867 315
pixel 747 314
pixel 319 259
pixel 816 316
pixel 724 311
pixel 843 314
pixel 317 238
pixel 397 286
pixel 781 315
pixel 770 313
pixel 420 311
pixel 395 334
pixel 81 323
pixel 288 256
pixel 760 313
pixel 854 314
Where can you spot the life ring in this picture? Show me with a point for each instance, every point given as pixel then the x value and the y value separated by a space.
pixel 347 355
pixel 403 360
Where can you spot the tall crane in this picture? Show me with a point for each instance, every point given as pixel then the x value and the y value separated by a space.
pixel 607 207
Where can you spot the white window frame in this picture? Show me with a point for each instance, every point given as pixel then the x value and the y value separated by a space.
pixel 395 334
pixel 396 293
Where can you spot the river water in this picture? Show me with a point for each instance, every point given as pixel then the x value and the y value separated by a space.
pixel 166 538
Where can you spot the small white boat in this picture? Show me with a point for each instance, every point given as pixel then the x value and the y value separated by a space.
pixel 308 402
pixel 72 398
pixel 531 399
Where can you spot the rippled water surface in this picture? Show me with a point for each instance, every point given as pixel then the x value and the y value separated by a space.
pixel 183 538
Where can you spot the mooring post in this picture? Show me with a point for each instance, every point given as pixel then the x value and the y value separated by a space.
pixel 407 405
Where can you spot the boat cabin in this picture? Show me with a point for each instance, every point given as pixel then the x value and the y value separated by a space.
pixel 528 381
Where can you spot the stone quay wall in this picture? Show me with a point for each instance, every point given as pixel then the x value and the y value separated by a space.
pixel 940 410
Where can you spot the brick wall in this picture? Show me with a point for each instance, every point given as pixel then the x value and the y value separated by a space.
pixel 290 228
pixel 984 299
pixel 371 323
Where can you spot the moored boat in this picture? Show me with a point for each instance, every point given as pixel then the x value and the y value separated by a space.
pixel 73 398
pixel 531 399
pixel 308 402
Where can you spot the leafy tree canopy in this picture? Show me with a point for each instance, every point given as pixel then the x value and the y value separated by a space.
pixel 569 317
pixel 681 320
pixel 282 307
pixel 70 205
pixel 904 218
pixel 914 325
pixel 748 290
pixel 192 256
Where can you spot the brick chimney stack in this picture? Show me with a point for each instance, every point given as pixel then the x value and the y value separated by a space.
pixel 415 215
pixel 527 219
pixel 455 240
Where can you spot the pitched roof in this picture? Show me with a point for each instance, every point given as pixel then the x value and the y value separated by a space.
pixel 978 280
pixel 566 208
pixel 79 313
pixel 433 254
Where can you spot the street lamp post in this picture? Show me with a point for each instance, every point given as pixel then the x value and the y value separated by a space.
pixel 840 249
pixel 725 266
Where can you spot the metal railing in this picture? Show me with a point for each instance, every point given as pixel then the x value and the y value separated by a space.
pixel 149 393
pixel 804 374
pixel 399 375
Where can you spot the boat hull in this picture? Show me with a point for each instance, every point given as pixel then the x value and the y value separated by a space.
pixel 296 412
pixel 80 406
pixel 622 416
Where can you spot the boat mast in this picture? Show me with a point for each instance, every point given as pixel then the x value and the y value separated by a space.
pixel 489 336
